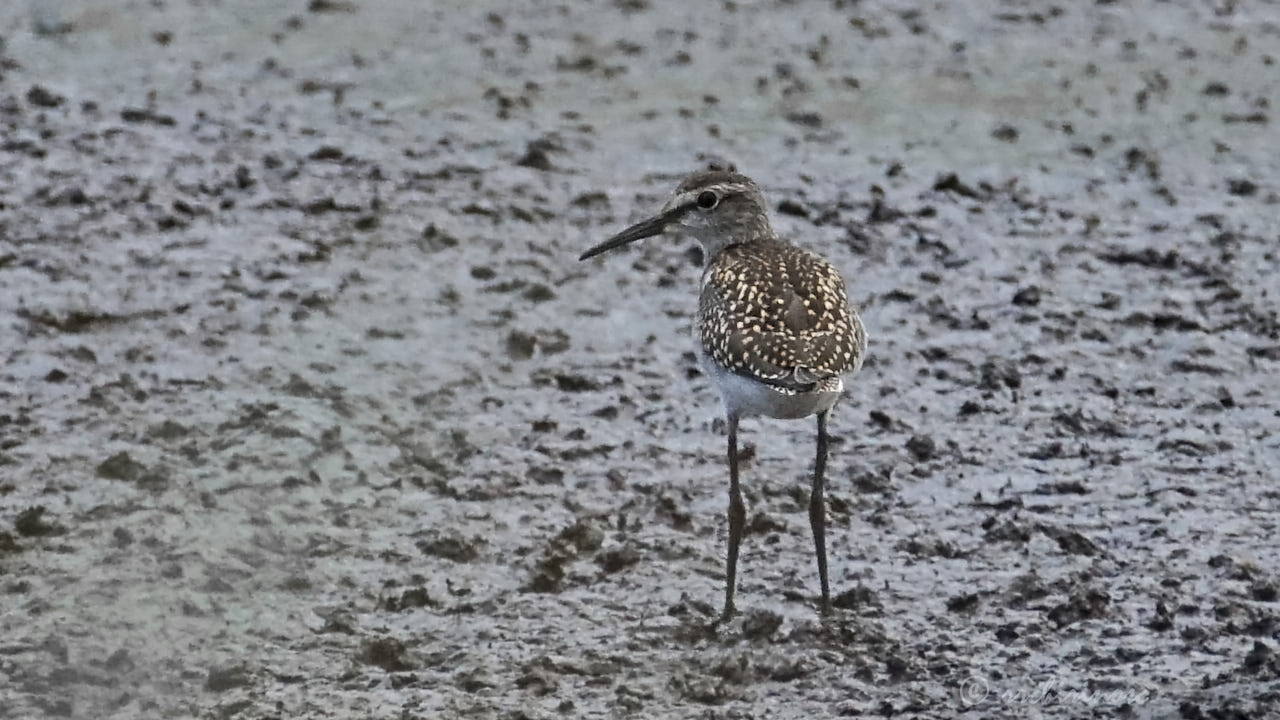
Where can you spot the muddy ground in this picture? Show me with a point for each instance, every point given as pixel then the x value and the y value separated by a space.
pixel 309 410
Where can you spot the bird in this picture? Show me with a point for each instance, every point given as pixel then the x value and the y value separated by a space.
pixel 775 330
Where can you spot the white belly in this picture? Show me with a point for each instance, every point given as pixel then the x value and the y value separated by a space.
pixel 745 397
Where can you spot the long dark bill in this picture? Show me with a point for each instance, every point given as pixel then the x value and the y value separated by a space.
pixel 639 231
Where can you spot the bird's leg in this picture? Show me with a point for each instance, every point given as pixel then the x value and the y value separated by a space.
pixel 817 511
pixel 737 520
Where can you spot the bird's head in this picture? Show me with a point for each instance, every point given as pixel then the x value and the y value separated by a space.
pixel 718 207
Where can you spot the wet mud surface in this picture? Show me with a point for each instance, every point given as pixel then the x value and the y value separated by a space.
pixel 308 409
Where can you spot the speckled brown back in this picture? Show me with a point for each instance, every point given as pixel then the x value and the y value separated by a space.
pixel 780 314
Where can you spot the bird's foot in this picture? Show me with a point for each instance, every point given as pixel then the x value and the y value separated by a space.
pixel 727 615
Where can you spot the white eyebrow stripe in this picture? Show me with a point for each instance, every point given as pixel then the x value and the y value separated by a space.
pixel 721 189
pixel 686 198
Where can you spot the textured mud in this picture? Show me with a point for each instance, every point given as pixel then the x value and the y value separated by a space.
pixel 308 409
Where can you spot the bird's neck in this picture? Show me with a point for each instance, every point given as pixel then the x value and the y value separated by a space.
pixel 714 241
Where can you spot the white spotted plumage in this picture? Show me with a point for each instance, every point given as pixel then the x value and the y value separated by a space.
pixel 775 329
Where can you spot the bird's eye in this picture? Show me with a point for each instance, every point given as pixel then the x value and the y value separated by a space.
pixel 707 200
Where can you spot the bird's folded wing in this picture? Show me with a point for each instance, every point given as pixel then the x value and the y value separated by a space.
pixel 797 363
pixel 784 320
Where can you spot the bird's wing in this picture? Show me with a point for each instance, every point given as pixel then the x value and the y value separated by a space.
pixel 779 314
